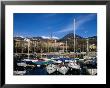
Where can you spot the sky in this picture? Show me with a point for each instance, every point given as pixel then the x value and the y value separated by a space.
pixel 57 24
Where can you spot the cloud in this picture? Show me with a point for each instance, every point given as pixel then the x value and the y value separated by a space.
pixel 79 22
pixel 84 19
pixel 22 34
pixel 66 29
pixel 47 37
pixel 54 37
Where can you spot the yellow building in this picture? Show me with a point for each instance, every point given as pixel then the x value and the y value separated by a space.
pixel 93 46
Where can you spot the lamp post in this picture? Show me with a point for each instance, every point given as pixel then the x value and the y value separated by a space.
pixel 28 47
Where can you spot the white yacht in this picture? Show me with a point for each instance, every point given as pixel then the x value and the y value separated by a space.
pixel 63 69
pixel 51 68
pixel 19 72
pixel 22 64
pixel 58 61
pixel 26 60
pixel 30 60
pixel 92 71
pixel 72 64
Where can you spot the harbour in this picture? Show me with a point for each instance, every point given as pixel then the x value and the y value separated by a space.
pixel 68 55
pixel 55 66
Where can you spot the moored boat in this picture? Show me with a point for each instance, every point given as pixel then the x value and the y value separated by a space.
pixel 20 70
pixel 51 68
pixel 73 65
pixel 63 69
pixel 22 64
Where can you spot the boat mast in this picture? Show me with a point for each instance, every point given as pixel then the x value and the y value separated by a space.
pixel 63 47
pixel 41 52
pixel 74 36
pixel 87 46
pixel 51 36
pixel 28 47
pixel 66 46
pixel 51 41
pixel 55 46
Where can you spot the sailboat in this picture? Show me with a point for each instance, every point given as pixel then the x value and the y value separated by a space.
pixel 73 64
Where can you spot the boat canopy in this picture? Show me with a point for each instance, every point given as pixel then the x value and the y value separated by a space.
pixel 43 62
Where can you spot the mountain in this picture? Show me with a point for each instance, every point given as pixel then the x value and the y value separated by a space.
pixel 93 40
pixel 93 37
pixel 19 38
pixel 70 36
pixel 37 37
